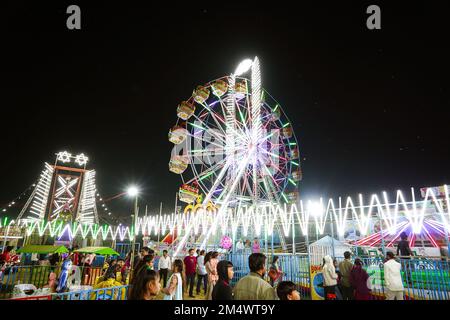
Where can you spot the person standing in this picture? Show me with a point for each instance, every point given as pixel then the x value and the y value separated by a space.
pixel 275 273
pixel 329 278
pixel 137 258
pixel 345 268
pixel 190 263
pixel 358 280
pixel 145 263
pixel 240 246
pixel 174 289
pixel 202 275
pixel 253 286
pixel 256 247
pixel 393 278
pixel 211 262
pixel 222 290
pixel 405 253
pixel 403 249
pixel 164 265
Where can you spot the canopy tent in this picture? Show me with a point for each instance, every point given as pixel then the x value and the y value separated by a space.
pixel 327 246
pixel 43 249
pixel 105 251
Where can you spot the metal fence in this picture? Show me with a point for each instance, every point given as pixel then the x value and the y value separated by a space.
pixel 39 277
pixel 423 279
pixel 123 248
pixel 295 268
pixel 112 293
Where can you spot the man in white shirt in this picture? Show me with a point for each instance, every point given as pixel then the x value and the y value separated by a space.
pixel 239 246
pixel 201 272
pixel 164 265
pixel 393 278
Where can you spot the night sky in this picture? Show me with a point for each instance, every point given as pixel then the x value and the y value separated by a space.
pixel 370 108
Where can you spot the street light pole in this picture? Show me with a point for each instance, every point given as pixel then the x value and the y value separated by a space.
pixel 133 191
pixel 133 245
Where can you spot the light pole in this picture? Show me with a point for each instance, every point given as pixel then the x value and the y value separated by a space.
pixel 133 192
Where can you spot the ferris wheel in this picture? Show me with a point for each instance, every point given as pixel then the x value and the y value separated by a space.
pixel 234 144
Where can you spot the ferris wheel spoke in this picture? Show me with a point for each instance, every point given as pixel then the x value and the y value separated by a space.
pixel 206 128
pixel 215 116
pixel 270 189
pixel 200 138
pixel 209 170
pixel 273 154
pixel 206 152
pixel 218 181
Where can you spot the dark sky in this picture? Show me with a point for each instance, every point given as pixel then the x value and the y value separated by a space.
pixel 370 108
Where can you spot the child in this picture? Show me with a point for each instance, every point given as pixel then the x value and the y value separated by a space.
pixel 286 291
pixel 146 286
pixel 174 289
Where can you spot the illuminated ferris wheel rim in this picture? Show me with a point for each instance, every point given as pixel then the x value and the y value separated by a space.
pixel 212 115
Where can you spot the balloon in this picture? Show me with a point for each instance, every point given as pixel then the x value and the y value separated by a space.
pixel 65 269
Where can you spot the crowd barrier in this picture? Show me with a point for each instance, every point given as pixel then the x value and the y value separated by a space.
pixel 423 279
pixel 39 277
pixel 112 293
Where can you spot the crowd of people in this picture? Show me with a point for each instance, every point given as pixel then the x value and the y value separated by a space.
pixel 152 274
pixel 349 281
pixel 202 271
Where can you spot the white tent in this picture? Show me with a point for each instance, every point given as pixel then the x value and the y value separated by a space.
pixel 326 246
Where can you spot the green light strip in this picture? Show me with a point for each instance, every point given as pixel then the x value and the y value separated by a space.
pixel 194 125
pixel 270 135
pixel 285 125
pixel 292 144
pixel 206 176
pixel 242 116
pixel 294 163
pixel 292 181
pixel 285 199
pixel 206 106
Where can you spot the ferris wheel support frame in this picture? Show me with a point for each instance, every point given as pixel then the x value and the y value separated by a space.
pixel 256 122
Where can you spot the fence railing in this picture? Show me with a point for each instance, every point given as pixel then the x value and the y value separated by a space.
pixel 112 293
pixel 39 277
pixel 295 268
pixel 423 279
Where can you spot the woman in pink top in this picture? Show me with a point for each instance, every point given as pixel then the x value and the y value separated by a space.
pixel 256 248
pixel 211 262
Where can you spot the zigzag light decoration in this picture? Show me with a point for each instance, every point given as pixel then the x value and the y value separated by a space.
pixel 263 219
